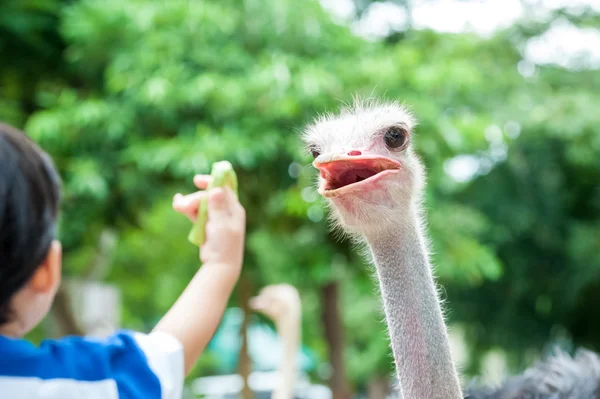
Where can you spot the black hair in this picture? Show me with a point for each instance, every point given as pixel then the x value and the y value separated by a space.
pixel 29 203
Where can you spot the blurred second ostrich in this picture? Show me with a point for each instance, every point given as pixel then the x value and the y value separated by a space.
pixel 281 303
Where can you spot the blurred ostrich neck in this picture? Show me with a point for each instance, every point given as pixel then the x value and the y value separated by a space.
pixel 288 328
pixel 418 334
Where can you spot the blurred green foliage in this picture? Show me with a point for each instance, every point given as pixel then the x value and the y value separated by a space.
pixel 133 97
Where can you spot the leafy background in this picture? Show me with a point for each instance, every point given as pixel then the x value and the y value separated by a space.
pixel 132 97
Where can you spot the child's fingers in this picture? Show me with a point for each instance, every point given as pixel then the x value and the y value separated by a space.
pixel 237 212
pixel 236 209
pixel 202 181
pixel 218 206
pixel 188 204
pixel 231 201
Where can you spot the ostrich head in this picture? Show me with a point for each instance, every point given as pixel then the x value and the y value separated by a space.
pixel 276 301
pixel 368 170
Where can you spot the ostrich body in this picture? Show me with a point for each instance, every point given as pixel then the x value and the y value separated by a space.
pixel 558 377
pixel 373 182
pixel 281 303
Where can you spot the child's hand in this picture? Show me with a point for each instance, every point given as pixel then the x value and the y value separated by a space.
pixel 195 316
pixel 226 225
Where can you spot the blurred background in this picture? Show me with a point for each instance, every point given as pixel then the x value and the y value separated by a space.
pixel 133 97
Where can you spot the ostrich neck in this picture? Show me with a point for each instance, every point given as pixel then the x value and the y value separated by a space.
pixel 288 329
pixel 418 334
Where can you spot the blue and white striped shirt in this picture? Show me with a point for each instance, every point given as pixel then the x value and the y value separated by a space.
pixel 126 365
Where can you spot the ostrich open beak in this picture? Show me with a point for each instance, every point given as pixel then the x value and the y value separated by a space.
pixel 342 173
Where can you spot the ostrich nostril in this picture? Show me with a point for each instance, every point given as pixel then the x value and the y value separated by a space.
pixel 354 153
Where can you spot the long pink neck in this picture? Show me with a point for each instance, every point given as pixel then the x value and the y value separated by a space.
pixel 413 313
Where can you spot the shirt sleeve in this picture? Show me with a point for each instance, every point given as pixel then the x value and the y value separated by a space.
pixel 149 366
pixel 165 358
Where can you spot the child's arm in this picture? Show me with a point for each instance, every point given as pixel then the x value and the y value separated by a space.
pixel 129 364
pixel 195 316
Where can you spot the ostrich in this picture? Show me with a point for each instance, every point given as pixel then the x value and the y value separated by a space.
pixel 558 377
pixel 281 303
pixel 373 182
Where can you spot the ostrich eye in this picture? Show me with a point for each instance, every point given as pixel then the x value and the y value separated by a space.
pixel 395 137
pixel 314 151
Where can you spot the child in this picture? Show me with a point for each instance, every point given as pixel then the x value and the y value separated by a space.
pixel 128 364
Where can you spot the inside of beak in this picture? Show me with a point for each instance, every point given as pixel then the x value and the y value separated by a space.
pixel 345 171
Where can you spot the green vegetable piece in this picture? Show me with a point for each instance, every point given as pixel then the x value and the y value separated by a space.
pixel 223 176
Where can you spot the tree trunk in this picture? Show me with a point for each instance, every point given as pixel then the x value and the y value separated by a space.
pixel 378 388
pixel 334 335
pixel 244 362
